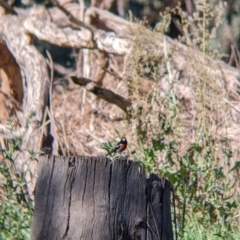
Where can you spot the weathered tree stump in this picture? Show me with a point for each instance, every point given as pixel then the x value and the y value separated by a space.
pixel 96 198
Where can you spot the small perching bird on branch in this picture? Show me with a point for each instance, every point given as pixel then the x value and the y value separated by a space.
pixel 120 146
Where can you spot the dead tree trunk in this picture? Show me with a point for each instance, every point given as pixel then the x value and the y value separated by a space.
pixel 95 198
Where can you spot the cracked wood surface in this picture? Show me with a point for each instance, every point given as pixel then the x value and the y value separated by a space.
pixel 93 198
pixel 158 191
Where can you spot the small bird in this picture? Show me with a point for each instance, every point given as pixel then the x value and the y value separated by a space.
pixel 120 146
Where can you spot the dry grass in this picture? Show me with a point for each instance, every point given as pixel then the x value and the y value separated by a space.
pixel 85 122
pixel 197 103
pixel 202 103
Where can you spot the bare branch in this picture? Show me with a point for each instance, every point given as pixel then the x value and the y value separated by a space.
pixel 103 93
pixel 7 7
pixel 71 17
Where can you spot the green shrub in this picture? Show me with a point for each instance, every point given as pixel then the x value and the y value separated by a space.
pixel 190 153
pixel 15 207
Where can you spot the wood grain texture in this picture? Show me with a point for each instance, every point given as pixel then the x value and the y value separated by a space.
pixel 158 208
pixel 89 198
pixel 35 84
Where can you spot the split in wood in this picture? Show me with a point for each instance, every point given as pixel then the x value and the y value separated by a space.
pixel 95 198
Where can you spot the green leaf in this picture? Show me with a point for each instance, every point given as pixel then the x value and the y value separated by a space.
pixel 236 166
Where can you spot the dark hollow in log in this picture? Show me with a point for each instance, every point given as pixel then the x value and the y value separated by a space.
pixel 94 198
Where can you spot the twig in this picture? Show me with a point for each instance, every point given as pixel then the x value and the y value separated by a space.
pixel 103 93
pixel 53 125
pixel 44 124
pixel 111 73
pixel 231 105
pixel 72 18
pixel 8 8
pixel 82 7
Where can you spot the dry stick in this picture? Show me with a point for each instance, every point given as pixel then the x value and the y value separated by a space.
pixel 8 8
pixel 103 93
pixel 84 54
pixel 44 124
pixel 53 126
pixel 236 54
pixel 59 142
pixel 231 105
pixel 82 8
pixel 86 73
pixel 65 150
pixel 112 73
pixel 102 62
pixel 72 18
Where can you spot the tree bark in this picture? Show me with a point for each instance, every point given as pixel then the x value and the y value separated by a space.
pixel 96 198
pixel 31 90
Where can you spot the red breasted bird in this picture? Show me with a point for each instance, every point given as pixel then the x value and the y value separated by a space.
pixel 120 146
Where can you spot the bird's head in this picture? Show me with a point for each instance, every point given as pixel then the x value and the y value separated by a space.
pixel 123 140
